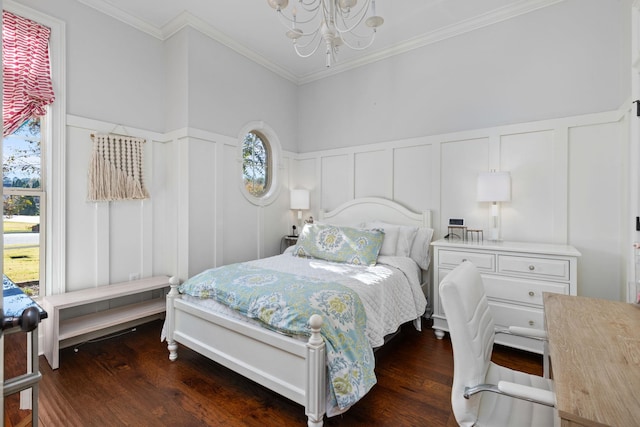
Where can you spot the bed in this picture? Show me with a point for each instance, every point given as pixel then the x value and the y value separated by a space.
pixel 301 366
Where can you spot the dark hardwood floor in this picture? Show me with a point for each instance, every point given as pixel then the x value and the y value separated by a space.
pixel 128 380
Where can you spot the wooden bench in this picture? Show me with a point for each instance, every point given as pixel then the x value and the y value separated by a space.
pixel 63 331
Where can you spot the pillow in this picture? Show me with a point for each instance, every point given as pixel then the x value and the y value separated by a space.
pixel 391 235
pixel 405 236
pixel 339 244
pixel 405 241
pixel 420 247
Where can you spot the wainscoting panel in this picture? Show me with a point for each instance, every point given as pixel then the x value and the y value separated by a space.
pixel 598 206
pixel 461 161
pixel 202 180
pixel 337 177
pixel 373 174
pixel 569 181
pixel 414 175
pixel 107 242
pixel 529 158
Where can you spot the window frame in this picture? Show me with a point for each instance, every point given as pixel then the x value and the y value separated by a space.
pixel 274 151
pixel 40 192
pixel 53 134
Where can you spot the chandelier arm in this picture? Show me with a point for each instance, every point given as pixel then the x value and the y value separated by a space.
pixel 306 55
pixel 360 15
pixel 354 35
pixel 287 21
pixel 313 37
pixel 326 10
pixel 309 5
pixel 329 24
pixel 369 43
pixel 306 32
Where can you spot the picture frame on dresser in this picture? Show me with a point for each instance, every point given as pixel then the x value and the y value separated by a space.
pixel 515 274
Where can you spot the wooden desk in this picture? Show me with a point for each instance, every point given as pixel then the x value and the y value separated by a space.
pixel 594 347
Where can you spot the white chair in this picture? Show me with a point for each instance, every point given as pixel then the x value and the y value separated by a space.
pixel 484 393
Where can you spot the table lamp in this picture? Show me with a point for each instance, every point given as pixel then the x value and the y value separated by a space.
pixel 494 187
pixel 299 201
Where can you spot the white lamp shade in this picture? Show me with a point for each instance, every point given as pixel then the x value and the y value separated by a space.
pixel 300 199
pixel 494 187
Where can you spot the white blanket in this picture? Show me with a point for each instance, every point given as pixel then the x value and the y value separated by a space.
pixel 390 291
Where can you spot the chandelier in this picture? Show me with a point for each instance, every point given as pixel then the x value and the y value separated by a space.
pixel 334 22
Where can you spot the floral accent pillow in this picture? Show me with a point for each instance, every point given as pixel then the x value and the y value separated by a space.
pixel 339 244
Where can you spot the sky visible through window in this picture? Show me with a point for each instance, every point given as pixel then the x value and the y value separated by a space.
pixel 21 156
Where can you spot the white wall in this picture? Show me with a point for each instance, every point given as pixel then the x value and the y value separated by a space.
pixel 227 90
pixel 115 73
pixel 176 92
pixel 415 128
pixel 569 185
pixel 567 59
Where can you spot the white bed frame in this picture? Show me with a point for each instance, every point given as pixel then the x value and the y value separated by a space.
pixel 293 368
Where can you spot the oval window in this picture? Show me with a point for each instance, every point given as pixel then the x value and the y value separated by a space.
pixel 256 164
pixel 259 163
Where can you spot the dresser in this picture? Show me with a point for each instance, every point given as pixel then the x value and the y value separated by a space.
pixel 515 274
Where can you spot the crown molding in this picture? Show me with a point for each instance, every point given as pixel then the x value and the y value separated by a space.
pixel 490 18
pixel 186 19
pixel 119 14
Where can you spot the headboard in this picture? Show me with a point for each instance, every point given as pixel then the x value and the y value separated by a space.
pixel 357 211
pixel 375 209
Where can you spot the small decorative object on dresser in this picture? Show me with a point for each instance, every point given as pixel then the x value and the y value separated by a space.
pixel 515 274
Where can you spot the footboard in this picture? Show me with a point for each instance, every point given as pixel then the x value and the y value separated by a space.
pixel 292 368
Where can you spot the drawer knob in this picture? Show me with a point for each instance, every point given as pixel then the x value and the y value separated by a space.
pixel 464 259
pixel 531 293
pixel 532 267
pixel 531 323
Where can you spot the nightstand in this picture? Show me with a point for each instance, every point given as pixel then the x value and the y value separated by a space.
pixel 287 241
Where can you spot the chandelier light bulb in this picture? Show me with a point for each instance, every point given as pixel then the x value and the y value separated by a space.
pixel 278 4
pixel 294 33
pixel 346 4
pixel 374 21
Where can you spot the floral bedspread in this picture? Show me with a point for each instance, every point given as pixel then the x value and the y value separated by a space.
pixel 285 302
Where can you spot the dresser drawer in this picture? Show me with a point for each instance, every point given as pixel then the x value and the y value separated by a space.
pixel 505 315
pixel 557 269
pixel 483 261
pixel 519 290
pixel 515 275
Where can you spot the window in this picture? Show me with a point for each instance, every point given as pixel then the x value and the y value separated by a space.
pixel 23 213
pixel 48 199
pixel 259 154
pixel 256 170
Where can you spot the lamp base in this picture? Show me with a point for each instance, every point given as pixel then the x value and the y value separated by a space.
pixel 494 234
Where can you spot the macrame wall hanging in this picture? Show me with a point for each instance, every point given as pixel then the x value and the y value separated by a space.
pixel 115 170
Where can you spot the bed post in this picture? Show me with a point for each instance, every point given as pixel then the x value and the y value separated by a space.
pixel 170 318
pixel 316 375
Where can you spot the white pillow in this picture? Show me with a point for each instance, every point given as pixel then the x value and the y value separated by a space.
pixel 404 238
pixel 390 241
pixel 420 247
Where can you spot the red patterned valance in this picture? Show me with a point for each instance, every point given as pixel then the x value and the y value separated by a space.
pixel 25 70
